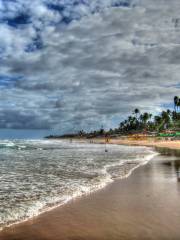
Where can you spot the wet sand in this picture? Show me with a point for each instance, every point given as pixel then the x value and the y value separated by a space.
pixel 144 206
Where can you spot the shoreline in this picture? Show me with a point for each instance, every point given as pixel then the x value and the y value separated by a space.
pixel 33 220
pixel 151 142
pixel 81 218
pixel 78 196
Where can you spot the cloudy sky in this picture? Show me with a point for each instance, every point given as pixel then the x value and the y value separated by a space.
pixel 72 64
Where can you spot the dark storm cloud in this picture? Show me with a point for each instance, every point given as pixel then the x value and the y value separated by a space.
pixel 79 64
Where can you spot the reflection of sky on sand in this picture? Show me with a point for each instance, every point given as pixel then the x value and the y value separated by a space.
pixel 143 206
pixel 171 159
pixel 177 167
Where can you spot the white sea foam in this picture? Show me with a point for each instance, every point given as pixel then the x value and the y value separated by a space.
pixel 36 176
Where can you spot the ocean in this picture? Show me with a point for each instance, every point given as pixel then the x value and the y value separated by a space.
pixel 38 175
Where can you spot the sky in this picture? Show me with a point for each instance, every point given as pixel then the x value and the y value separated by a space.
pixel 68 65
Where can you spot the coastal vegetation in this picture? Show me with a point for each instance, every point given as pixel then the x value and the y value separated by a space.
pixel 168 121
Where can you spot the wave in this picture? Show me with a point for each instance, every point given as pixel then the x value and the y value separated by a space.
pixel 33 144
pixel 91 177
pixel 125 169
pixel 11 145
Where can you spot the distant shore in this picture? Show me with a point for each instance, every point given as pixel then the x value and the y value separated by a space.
pixel 149 142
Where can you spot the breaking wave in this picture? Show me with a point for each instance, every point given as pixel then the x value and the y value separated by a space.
pixel 38 175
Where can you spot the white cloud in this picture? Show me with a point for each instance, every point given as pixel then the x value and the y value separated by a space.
pixel 91 70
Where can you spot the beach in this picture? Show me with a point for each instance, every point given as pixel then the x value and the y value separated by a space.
pixel 90 120
pixel 142 206
pixel 149 142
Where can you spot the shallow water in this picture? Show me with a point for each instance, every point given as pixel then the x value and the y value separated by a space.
pixel 39 174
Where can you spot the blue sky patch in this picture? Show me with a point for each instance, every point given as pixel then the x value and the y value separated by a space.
pixel 121 4
pixel 21 19
pixel 36 44
pixel 69 12
pixel 168 105
pixel 8 81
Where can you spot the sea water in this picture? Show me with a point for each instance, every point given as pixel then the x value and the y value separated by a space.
pixel 37 175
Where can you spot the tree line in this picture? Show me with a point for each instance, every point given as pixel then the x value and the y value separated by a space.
pixel 145 122
pixel 138 122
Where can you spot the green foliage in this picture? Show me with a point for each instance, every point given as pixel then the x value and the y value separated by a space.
pixel 140 122
pixel 166 120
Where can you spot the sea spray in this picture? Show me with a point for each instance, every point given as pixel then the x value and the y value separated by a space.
pixel 36 176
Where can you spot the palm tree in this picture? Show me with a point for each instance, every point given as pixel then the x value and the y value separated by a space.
pixel 101 131
pixel 136 112
pixel 176 103
pixel 166 119
pixel 144 117
pixel 121 126
pixel 168 112
pixel 158 122
pixel 174 115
